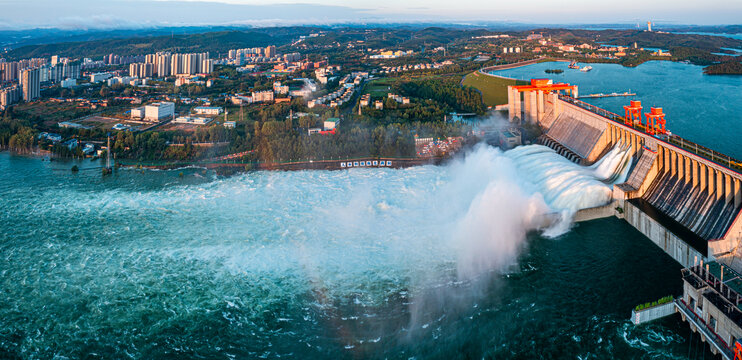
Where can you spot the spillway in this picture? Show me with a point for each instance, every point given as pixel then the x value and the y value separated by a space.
pixel 567 186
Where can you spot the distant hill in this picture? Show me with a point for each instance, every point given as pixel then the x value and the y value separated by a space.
pixel 647 39
pixel 212 42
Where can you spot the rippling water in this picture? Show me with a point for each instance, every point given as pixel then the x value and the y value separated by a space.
pixel 426 262
pixel 702 108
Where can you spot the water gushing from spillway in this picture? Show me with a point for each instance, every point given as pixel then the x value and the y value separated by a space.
pixel 568 187
pixel 268 259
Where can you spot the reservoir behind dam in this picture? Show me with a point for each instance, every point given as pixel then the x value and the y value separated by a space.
pixel 706 109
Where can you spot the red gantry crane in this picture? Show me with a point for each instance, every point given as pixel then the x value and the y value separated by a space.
pixel 655 121
pixel 633 113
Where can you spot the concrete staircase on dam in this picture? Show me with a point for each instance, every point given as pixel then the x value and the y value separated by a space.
pixel 577 136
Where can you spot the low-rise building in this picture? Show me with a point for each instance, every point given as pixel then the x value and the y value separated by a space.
pixel 365 99
pixel 193 120
pixel 278 88
pixel 159 111
pixel 262 96
pixel 72 125
pixel 121 127
pixel 98 77
pixel 331 123
pixel 137 113
pixel 71 143
pixel 88 149
pixel 68 83
pixel 711 303
pixel 50 136
pixel 207 110
pixel 230 124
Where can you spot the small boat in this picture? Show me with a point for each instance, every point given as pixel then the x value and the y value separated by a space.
pixel 586 68
pixel 573 65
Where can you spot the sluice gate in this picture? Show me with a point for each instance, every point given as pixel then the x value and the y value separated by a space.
pixel 578 137
pixel 546 140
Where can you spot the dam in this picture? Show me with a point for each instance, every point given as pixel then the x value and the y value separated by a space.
pixel 684 197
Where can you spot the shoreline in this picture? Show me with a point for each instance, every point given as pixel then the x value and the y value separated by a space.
pixel 344 164
pixel 332 164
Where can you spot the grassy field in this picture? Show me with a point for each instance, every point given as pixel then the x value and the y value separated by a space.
pixel 379 87
pixel 494 90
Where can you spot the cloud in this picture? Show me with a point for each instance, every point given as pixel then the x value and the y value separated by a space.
pixel 114 14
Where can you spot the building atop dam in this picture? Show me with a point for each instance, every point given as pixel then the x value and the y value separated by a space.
pixel 684 197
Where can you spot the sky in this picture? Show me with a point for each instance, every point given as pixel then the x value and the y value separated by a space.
pixel 83 14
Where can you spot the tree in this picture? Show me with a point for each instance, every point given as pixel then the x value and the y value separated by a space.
pixel 22 140
pixel 104 91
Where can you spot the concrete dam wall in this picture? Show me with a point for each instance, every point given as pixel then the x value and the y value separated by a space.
pixel 576 136
pixel 685 203
pixel 693 207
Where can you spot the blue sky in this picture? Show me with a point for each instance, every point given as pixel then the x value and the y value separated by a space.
pixel 134 13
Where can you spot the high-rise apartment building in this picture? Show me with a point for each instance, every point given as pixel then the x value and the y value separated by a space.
pixel 9 95
pixel 176 64
pixel 10 70
pixel 207 66
pixel 163 65
pixel 31 83
pixel 270 51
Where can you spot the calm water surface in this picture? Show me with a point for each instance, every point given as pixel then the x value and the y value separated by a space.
pixel 706 109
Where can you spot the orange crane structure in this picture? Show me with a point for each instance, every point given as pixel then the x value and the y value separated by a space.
pixel 546 85
pixel 655 121
pixel 633 112
pixel 534 97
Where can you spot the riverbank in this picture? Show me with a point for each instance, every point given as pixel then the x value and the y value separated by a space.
pixel 364 162
pixel 227 167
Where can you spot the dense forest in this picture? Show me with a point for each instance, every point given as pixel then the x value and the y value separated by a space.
pixel 726 68
pixel 277 142
pixel 445 91
pixel 643 38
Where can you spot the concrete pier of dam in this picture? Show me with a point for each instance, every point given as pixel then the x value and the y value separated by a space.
pixel 682 196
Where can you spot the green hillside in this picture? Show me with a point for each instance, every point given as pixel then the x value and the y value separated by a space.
pixel 494 89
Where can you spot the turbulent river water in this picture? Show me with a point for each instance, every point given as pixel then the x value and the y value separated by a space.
pixel 452 261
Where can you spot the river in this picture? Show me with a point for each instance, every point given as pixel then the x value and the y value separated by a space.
pixel 706 109
pixel 425 262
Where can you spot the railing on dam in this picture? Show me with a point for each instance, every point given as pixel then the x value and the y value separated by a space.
pixel 713 338
pixel 702 151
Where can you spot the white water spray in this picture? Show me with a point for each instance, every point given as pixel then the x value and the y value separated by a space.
pixel 520 191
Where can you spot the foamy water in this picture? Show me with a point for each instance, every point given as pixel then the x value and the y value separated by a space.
pixel 301 264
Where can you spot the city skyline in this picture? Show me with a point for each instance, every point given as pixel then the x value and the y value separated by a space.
pixel 86 14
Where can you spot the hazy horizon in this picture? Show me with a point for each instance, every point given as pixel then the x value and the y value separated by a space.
pixel 119 14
